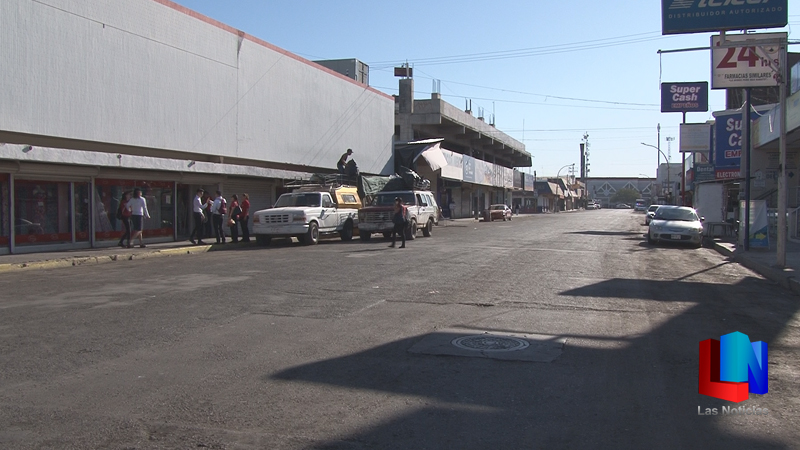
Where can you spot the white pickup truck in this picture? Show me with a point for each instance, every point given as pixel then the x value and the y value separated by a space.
pixel 308 213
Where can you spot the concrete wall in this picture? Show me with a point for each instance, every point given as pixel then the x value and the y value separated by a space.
pixel 149 74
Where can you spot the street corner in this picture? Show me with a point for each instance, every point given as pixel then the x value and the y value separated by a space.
pixel 493 345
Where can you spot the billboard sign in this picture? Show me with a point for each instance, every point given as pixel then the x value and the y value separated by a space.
pixel 696 16
pixel 695 137
pixel 728 143
pixel 684 97
pixel 756 63
pixel 704 172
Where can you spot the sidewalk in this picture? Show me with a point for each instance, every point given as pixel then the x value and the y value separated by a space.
pixel 67 258
pixel 48 260
pixel 762 261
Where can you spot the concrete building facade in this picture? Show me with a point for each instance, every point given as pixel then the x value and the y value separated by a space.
pixel 100 97
pixel 481 158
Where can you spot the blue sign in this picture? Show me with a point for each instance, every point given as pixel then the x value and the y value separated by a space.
pixel 728 142
pixel 684 97
pixel 704 172
pixel 695 16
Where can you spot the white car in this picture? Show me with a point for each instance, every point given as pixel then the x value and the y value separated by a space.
pixel 651 211
pixel 675 224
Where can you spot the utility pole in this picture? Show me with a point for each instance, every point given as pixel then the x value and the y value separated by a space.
pixel 669 140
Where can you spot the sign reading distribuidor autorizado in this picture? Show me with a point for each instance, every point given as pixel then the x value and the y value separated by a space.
pixel 695 16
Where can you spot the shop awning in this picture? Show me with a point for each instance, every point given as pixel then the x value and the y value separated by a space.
pixel 433 154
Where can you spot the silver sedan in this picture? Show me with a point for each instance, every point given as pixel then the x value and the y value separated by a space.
pixel 675 224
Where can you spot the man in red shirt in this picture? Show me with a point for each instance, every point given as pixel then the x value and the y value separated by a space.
pixel 244 217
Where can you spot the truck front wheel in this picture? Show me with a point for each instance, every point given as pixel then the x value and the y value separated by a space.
pixel 312 235
pixel 428 230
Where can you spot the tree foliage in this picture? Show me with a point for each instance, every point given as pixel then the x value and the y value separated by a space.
pixel 626 195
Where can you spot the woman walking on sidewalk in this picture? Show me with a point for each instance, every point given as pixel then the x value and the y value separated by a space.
pixel 138 208
pixel 125 217
pixel 233 218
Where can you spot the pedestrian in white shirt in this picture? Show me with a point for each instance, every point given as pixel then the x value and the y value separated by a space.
pixel 138 208
pixel 218 211
pixel 197 211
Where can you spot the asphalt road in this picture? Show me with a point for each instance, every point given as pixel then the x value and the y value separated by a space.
pixel 292 347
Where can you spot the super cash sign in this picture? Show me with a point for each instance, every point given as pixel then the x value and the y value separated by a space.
pixel 684 97
pixel 728 143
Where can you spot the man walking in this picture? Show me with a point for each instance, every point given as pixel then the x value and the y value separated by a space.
pixel 399 219
pixel 197 212
pixel 218 211
pixel 138 208
pixel 245 217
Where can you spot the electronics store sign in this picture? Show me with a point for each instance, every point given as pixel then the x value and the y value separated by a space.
pixel 695 16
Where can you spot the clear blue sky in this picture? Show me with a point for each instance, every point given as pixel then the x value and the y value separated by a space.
pixel 525 59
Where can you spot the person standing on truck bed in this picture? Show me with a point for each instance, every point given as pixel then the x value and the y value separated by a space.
pixel 343 161
pixel 399 220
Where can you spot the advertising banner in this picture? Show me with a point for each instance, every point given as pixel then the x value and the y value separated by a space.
pixel 759 225
pixel 695 137
pixel 728 143
pixel 454 169
pixel 704 172
pixel 753 64
pixel 684 97
pixel 529 180
pixel 695 16
pixel 468 165
pixel 508 178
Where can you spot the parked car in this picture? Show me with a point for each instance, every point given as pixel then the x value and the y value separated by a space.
pixel 675 224
pixel 651 211
pixel 640 205
pixel 498 212
pixel 592 205
pixel 623 206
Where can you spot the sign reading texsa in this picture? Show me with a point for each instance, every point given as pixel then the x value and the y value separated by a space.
pixel 684 97
pixel 695 16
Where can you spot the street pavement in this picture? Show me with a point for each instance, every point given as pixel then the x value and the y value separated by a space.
pixel 329 347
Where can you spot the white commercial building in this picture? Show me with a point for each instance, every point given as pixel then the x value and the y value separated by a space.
pixel 99 97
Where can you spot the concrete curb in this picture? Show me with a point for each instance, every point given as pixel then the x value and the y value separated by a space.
pixel 103 259
pixel 784 279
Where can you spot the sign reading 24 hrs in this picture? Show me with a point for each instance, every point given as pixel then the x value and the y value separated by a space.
pixel 753 61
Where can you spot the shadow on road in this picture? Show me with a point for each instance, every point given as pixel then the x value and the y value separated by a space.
pixel 640 394
pixel 607 233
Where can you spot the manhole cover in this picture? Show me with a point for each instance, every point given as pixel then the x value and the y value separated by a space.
pixel 490 343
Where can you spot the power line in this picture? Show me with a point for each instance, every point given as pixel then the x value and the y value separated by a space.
pixel 531 51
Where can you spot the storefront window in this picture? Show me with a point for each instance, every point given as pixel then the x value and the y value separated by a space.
pixel 42 212
pixel 160 203
pixel 5 210
pixel 82 215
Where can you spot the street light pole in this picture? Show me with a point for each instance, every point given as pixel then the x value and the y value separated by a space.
pixel 665 159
